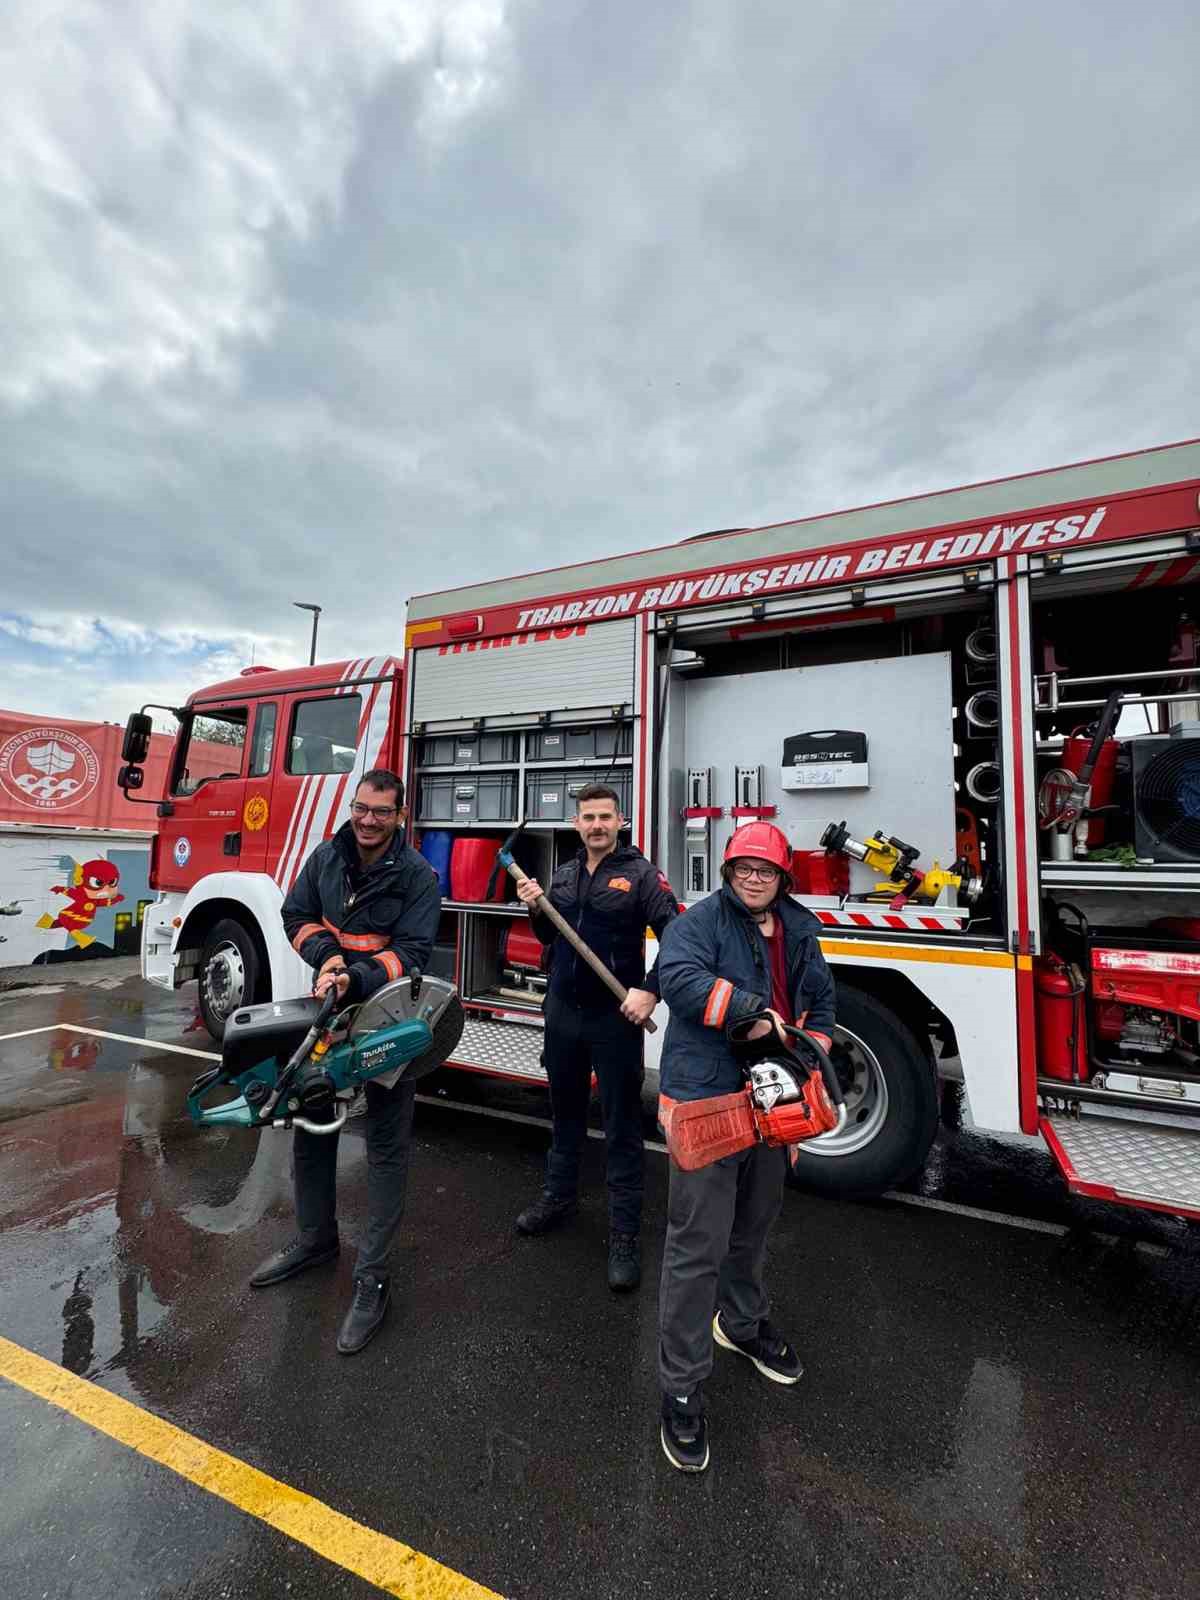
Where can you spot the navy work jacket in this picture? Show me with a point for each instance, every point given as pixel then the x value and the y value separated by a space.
pixel 382 918
pixel 610 909
pixel 715 967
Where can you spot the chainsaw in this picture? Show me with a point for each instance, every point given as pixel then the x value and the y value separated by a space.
pixel 792 1093
pixel 301 1063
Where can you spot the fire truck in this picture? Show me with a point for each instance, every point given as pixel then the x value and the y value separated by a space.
pixel 973 713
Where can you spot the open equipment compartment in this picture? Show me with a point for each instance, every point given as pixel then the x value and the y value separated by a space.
pixel 1119 980
pixel 883 718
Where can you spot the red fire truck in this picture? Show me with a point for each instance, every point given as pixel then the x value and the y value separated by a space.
pixel 974 713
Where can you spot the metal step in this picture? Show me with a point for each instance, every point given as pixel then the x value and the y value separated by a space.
pixel 513 1049
pixel 1131 1163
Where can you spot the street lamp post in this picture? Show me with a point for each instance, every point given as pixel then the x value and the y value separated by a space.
pixel 303 605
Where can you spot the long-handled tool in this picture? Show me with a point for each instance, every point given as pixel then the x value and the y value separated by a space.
pixel 1075 807
pixel 505 858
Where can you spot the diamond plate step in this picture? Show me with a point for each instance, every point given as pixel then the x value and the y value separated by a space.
pixel 1134 1164
pixel 512 1048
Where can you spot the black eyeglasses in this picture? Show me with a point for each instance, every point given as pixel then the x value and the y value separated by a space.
pixel 380 813
pixel 747 870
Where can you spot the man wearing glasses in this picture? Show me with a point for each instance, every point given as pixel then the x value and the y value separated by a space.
pixel 746 949
pixel 363 912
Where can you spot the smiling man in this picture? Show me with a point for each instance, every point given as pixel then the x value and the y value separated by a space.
pixel 362 913
pixel 609 894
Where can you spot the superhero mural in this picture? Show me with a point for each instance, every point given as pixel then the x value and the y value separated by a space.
pixel 70 907
pixel 93 888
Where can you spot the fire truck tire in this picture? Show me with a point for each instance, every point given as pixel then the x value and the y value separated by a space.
pixel 230 968
pixel 891 1101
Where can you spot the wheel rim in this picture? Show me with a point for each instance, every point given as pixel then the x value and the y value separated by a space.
pixel 866 1092
pixel 224 980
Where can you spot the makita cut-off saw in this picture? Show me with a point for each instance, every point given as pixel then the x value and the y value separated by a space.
pixel 294 1063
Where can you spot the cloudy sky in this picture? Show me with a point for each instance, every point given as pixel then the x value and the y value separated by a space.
pixel 343 300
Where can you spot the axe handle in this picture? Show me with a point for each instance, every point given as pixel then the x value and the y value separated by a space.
pixel 609 979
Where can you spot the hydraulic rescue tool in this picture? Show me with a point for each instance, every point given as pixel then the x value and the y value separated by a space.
pixel 294 1063
pixel 793 1093
pixel 905 882
pixel 504 858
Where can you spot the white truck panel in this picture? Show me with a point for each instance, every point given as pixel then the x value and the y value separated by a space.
pixel 592 666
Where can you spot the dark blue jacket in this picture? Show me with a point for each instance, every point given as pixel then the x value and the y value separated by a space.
pixel 382 918
pixel 714 967
pixel 610 909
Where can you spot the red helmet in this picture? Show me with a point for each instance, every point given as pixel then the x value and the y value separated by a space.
pixel 761 841
pixel 99 872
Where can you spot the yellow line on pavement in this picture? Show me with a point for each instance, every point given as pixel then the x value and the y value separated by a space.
pixel 394 1567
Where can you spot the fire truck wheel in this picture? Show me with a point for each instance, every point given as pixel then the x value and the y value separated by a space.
pixel 229 972
pixel 891 1105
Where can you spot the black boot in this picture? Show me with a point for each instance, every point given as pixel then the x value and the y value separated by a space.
pixel 294 1257
pixel 371 1296
pixel 624 1261
pixel 546 1212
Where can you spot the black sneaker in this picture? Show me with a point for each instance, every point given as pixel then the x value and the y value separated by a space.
pixel 293 1258
pixel 624 1261
pixel 769 1351
pixel 361 1322
pixel 684 1432
pixel 547 1211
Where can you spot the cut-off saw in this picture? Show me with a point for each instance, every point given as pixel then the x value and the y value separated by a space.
pixel 301 1063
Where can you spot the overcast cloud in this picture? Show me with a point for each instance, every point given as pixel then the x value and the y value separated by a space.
pixel 343 300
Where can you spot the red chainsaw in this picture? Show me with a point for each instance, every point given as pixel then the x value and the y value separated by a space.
pixel 792 1093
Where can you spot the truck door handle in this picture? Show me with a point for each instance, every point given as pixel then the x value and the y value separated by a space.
pixel 232 844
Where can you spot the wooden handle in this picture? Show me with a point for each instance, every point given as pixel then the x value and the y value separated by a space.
pixel 609 979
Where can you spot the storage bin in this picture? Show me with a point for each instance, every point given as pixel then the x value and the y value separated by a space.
pixel 435 799
pixel 481 797
pixel 437 750
pixel 592 741
pixel 551 796
pixel 435 847
pixel 601 742
pixel 468 749
pixel 495 797
pixel 471 864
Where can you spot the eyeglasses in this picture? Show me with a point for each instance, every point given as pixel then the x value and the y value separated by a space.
pixel 379 813
pixel 745 870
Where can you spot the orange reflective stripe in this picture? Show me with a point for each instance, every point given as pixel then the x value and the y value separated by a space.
pixel 391 964
pixel 366 942
pixel 719 997
pixel 306 932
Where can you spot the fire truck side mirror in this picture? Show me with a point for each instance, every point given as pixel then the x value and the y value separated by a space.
pixel 135 746
pixel 130 778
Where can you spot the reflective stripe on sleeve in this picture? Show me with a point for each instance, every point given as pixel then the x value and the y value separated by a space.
pixel 391 964
pixel 305 933
pixel 719 997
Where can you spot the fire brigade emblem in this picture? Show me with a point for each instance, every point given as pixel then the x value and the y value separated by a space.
pixel 256 813
pixel 48 769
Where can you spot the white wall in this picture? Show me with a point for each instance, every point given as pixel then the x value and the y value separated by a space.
pixel 34 860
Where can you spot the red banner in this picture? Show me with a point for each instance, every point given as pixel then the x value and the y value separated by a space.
pixel 56 772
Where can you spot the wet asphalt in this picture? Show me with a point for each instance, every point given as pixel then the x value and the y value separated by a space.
pixel 989 1409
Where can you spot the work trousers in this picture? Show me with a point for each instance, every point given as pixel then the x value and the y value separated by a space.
pixel 389 1139
pixel 718 1220
pixel 576 1044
